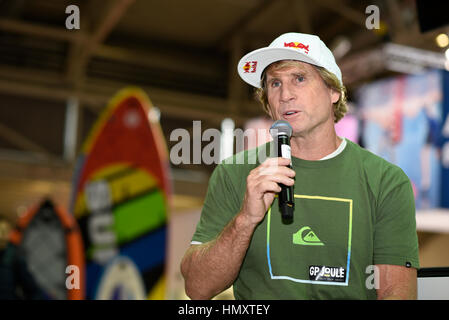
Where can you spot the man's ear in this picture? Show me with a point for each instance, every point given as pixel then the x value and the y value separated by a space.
pixel 335 95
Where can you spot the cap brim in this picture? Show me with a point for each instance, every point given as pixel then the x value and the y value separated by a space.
pixel 251 73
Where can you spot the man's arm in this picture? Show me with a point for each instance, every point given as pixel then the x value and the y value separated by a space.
pixel 212 267
pixel 396 282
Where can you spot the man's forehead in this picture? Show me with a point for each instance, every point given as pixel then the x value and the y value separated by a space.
pixel 288 66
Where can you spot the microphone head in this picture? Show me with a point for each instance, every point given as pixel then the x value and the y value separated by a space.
pixel 281 127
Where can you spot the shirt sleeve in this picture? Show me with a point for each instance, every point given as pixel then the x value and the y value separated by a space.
pixel 222 203
pixel 395 238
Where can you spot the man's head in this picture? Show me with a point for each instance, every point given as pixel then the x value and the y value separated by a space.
pixel 287 50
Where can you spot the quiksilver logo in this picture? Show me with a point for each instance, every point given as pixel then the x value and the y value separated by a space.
pixel 306 237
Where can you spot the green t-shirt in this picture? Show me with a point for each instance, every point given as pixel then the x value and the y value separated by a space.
pixel 351 212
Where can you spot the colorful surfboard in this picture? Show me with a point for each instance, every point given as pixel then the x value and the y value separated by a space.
pixel 49 240
pixel 121 199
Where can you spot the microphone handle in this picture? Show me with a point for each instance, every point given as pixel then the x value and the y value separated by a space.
pixel 286 198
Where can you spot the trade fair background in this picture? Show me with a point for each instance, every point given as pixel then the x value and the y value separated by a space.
pixel 62 61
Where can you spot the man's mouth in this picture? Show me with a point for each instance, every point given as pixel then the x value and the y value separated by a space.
pixel 290 113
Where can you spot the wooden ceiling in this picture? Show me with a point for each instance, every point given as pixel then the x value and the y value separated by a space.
pixel 182 53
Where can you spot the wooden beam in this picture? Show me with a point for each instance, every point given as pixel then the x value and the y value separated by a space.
pixel 104 27
pixel 95 96
pixel 243 23
pixel 27 165
pixel 180 105
pixel 170 61
pixel 75 48
pixel 106 24
pixel 201 66
pixel 345 11
pixel 39 30
pixel 53 93
pixel 44 78
pixel 19 140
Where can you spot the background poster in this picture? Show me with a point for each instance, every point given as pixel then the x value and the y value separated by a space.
pixel 402 122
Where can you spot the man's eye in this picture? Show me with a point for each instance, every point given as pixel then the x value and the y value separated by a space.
pixel 275 84
pixel 300 78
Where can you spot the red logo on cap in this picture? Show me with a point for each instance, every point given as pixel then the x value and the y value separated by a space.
pixel 250 67
pixel 297 45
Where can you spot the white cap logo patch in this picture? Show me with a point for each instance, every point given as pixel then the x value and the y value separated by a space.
pixel 250 67
pixel 297 45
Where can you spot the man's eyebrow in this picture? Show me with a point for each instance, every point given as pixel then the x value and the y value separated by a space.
pixel 293 73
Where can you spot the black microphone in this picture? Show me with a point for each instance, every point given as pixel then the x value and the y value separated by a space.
pixel 281 132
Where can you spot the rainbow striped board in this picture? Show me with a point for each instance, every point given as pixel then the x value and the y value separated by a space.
pixel 120 199
pixel 49 240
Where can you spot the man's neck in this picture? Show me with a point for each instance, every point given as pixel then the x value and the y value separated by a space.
pixel 314 147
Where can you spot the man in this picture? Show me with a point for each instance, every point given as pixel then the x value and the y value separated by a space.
pixel 353 234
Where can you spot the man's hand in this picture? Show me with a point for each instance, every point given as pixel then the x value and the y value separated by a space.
pixel 262 185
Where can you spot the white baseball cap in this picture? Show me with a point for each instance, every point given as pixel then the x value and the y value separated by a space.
pixel 289 46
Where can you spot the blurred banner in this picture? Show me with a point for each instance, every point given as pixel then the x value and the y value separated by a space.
pixel 402 122
pixel 445 143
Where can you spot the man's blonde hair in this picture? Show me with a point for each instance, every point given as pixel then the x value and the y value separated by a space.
pixel 331 81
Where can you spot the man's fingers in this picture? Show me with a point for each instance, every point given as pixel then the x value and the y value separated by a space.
pixel 268 186
pixel 278 178
pixel 271 169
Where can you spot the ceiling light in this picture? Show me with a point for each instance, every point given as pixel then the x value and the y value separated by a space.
pixel 442 40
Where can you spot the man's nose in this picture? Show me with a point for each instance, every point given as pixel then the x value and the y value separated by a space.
pixel 287 93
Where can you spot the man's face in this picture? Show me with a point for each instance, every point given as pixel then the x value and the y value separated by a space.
pixel 298 94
